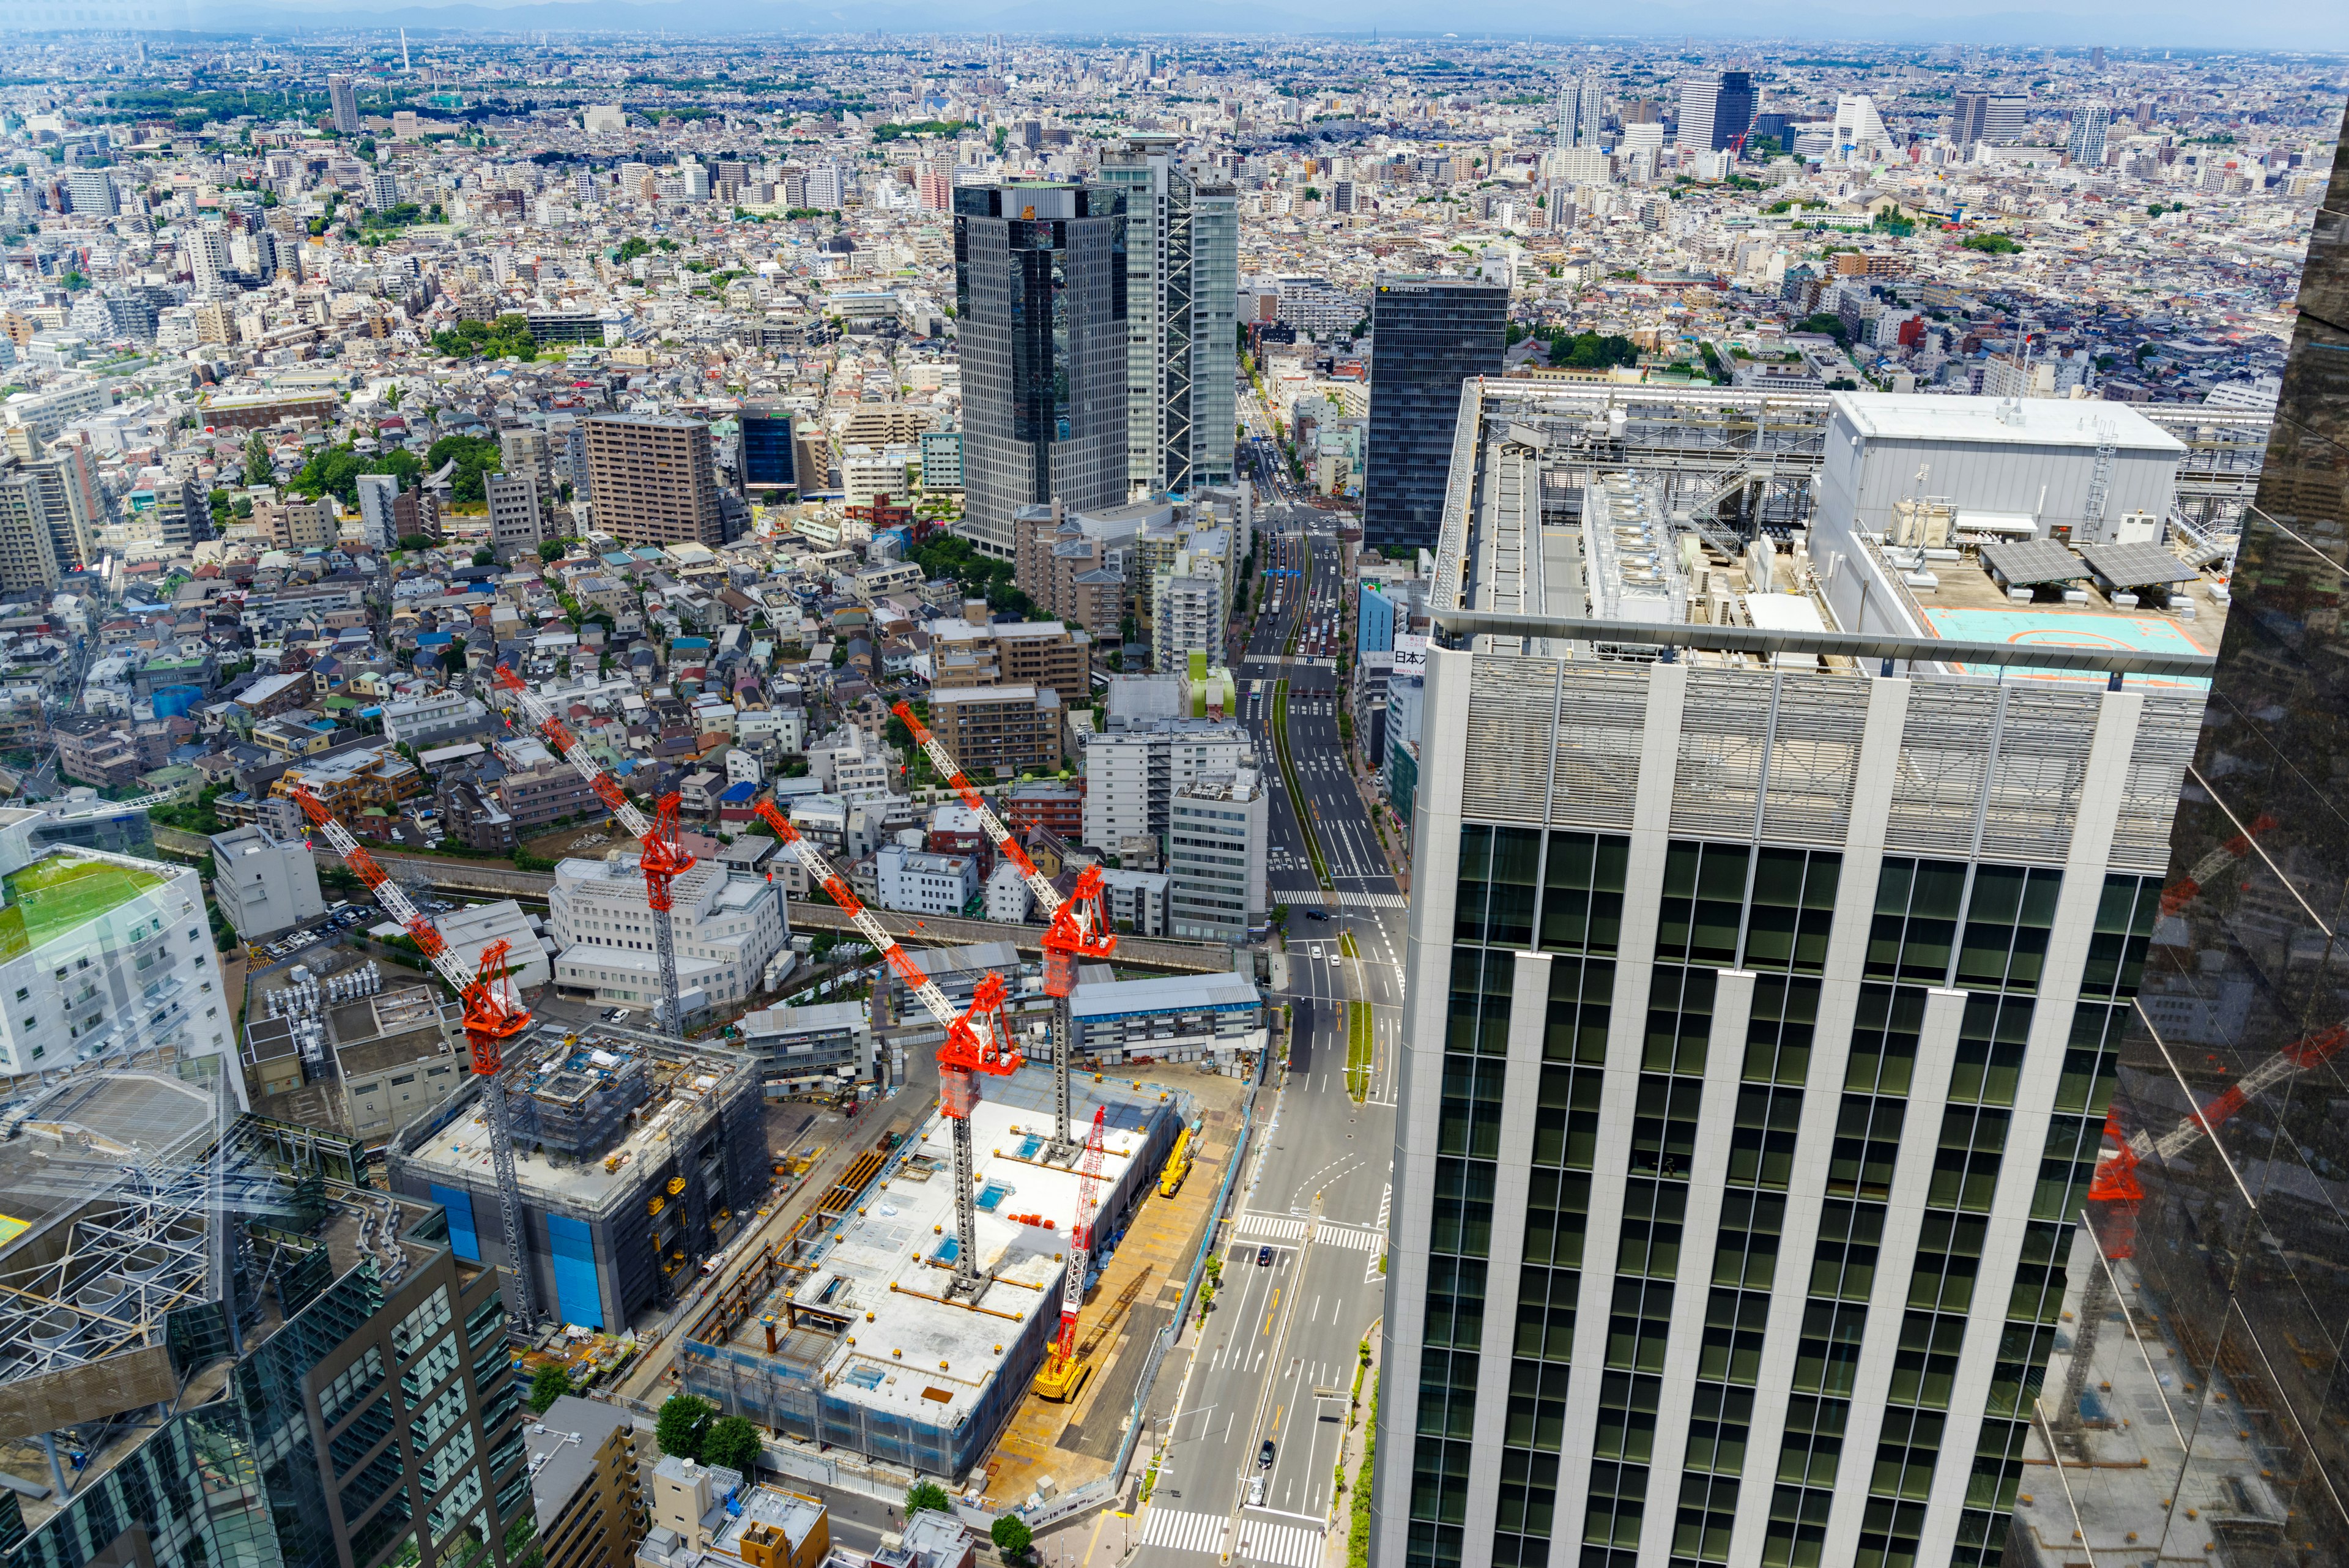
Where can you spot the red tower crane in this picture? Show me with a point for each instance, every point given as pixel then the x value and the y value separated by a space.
pixel 661 855
pixel 494 1015
pixel 1080 930
pixel 1062 1374
pixel 978 1039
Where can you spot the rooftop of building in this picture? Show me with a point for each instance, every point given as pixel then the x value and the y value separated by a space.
pixel 596 1114
pixel 1563 539
pixel 562 1444
pixel 64 891
pixel 1163 993
pixel 867 1314
pixel 2028 422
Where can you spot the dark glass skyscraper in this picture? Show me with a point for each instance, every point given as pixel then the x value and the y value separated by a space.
pixel 1427 335
pixel 767 462
pixel 1041 312
pixel 2199 1404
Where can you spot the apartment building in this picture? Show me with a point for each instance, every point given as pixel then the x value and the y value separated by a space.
pixel 1131 774
pixel 1215 852
pixel 999 731
pixel 546 792
pixel 264 885
pixel 584 1487
pixel 918 882
pixel 1042 653
pixel 653 480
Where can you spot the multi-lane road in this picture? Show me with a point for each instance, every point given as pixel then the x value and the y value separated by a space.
pixel 1276 1359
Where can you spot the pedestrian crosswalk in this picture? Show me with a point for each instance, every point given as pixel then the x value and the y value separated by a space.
pixel 1179 1530
pixel 1268 1226
pixel 1374 901
pixel 1284 1228
pixel 1289 1545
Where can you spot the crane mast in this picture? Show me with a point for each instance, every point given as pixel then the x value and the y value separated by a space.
pixel 978 1040
pixel 661 855
pixel 1079 929
pixel 1062 1374
pixel 494 1015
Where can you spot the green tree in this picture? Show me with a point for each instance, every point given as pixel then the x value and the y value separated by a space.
pixel 257 466
pixel 1012 1535
pixel 683 1424
pixel 552 550
pixel 734 1443
pixel 507 337
pixel 473 456
pixel 485 556
pixel 550 1384
pixel 928 1495
pixel 1991 245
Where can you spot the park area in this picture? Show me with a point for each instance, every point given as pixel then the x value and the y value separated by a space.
pixel 59 892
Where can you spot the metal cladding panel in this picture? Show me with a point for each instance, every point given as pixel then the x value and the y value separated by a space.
pixel 50 1400
pixel 463 1238
pixel 1512 705
pixel 1595 771
pixel 2156 773
pixel 1724 733
pixel 1815 737
pixel 1944 757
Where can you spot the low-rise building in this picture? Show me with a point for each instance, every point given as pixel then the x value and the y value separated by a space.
pixel 805 1047
pixel 726 925
pixel 398 1056
pixel 1137 901
pixel 918 882
pixel 1168 1018
pixel 471 930
pixel 262 884
pixel 441 719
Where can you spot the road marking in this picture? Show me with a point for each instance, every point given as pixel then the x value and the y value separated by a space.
pixel 1271 1312
pixel 1180 1531
pixel 1289 1545
pixel 1280 1228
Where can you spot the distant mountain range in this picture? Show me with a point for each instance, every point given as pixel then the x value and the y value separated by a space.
pixel 2262 24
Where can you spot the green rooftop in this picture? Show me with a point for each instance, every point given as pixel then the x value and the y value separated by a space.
pixel 59 893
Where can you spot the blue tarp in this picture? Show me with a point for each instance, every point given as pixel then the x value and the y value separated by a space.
pixel 460 1205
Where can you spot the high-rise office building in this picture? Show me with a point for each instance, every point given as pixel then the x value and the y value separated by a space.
pixel 2195 1410
pixel 1859 129
pixel 1993 117
pixel 654 479
pixel 1040 313
pixel 1181 269
pixel 1427 335
pixel 2084 145
pixel 1763 991
pixel 344 103
pixel 1715 110
pixel 92 190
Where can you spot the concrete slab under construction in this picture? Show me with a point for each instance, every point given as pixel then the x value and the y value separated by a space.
pixel 865 1351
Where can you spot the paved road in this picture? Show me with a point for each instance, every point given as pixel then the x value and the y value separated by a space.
pixel 1316 1191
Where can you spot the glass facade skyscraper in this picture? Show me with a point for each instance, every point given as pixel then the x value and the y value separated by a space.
pixel 2199 1404
pixel 379 1426
pixel 1763 1001
pixel 1427 335
pixel 1040 311
pixel 768 460
pixel 1182 282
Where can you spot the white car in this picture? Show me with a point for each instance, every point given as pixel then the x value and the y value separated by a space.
pixel 1256 1492
pixel 1317 955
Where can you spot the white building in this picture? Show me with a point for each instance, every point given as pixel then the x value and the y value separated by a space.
pixel 726 925
pixel 473 928
pixel 1131 774
pixel 517 516
pixel 1216 857
pixel 1185 616
pixel 377 527
pixel 853 763
pixel 921 883
pixel 435 720
pixel 1008 897
pixel 105 952
pixel 263 886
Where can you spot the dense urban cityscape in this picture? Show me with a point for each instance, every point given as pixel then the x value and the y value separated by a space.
pixel 911 800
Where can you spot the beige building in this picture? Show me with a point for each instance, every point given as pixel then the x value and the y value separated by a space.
pixel 653 480
pixel 584 1485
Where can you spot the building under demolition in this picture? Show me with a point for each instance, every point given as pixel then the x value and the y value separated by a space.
pixel 843 1335
pixel 636 1162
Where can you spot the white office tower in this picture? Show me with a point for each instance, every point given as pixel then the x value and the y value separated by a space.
pixel 1182 282
pixel 1859 132
pixel 1764 987
pixel 344 101
pixel 2084 146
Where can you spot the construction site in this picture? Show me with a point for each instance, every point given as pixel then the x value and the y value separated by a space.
pixel 849 1333
pixel 634 1163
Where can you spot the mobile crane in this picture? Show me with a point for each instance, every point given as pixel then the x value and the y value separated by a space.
pixel 660 855
pixel 1079 932
pixel 1062 1376
pixel 977 1041
pixel 494 1015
